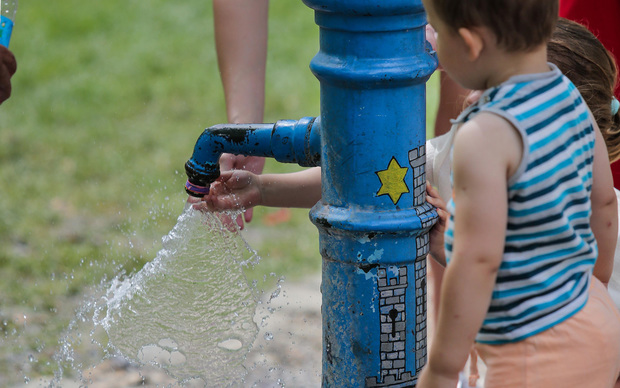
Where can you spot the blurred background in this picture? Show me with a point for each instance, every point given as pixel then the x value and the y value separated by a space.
pixel 108 101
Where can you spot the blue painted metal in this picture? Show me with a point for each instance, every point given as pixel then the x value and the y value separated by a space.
pixel 287 141
pixel 373 218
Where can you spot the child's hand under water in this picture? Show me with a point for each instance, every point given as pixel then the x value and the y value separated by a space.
pixel 233 190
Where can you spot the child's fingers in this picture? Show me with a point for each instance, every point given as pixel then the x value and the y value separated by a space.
pixel 220 185
pixel 224 202
pixel 235 176
pixel 229 223
pixel 218 188
pixel 240 221
pixel 217 205
pixel 433 197
pixel 214 203
pixel 437 202
pixel 433 201
pixel 201 206
pixel 443 216
pixel 192 199
pixel 225 176
pixel 431 191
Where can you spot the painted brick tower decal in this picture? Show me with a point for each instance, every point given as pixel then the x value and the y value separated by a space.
pixel 420 303
pixel 393 284
pixel 393 350
pixel 417 161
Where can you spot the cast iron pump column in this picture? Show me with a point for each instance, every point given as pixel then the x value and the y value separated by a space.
pixel 373 218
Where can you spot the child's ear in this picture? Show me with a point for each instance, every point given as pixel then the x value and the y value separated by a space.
pixel 474 42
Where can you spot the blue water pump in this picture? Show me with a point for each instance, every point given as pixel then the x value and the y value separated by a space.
pixel 373 218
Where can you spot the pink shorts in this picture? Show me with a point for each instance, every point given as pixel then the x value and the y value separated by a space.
pixel 583 351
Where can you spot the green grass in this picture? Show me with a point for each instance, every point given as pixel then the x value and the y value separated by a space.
pixel 107 103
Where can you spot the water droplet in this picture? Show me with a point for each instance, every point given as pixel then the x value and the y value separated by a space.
pixel 268 336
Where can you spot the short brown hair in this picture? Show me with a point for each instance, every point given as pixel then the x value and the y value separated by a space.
pixel 520 25
pixel 588 64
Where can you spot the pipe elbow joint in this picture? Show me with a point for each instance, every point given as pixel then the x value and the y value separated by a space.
pixel 287 141
pixel 203 167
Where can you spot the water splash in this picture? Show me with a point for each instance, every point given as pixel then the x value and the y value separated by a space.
pixel 189 311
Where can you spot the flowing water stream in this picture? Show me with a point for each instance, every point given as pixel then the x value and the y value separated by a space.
pixel 189 308
pixel 189 311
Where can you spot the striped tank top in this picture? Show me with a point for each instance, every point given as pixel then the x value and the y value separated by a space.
pixel 550 250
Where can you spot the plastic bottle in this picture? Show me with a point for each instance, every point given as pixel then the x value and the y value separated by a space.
pixel 8 8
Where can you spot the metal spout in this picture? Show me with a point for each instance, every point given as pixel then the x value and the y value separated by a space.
pixel 286 141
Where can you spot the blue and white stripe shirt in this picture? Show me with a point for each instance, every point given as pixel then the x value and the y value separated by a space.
pixel 550 249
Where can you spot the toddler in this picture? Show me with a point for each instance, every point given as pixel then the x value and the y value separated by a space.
pixel 527 175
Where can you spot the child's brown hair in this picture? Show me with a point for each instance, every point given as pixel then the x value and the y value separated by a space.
pixel 519 25
pixel 586 62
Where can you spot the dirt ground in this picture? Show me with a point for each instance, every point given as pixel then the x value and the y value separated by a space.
pixel 287 352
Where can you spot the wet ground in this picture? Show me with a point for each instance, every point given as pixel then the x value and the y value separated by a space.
pixel 287 351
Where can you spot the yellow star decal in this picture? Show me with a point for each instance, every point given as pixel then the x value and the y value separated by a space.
pixel 393 181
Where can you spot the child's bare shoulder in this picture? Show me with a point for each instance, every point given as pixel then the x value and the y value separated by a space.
pixel 488 135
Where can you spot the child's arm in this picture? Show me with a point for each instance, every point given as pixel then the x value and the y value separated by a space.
pixel 604 218
pixel 299 189
pixel 239 189
pixel 487 151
